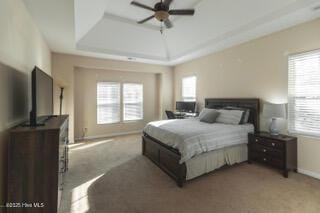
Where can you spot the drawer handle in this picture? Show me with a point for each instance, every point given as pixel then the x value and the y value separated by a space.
pixel 273 144
pixel 62 166
pixel 257 140
pixel 264 150
pixel 264 159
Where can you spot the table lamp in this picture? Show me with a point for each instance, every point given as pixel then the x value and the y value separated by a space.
pixel 274 111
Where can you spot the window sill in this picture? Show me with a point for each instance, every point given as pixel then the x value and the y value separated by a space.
pixel 305 135
pixel 133 121
pixel 110 123
pixel 122 122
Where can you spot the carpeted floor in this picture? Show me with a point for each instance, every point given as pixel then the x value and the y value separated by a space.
pixel 111 175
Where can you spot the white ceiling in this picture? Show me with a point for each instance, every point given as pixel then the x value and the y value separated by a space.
pixel 108 29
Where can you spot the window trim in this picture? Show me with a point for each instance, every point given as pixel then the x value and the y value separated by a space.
pixel 121 119
pixel 122 103
pixel 294 130
pixel 97 105
pixel 182 97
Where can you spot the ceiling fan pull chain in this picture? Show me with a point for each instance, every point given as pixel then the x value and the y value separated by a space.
pixel 161 28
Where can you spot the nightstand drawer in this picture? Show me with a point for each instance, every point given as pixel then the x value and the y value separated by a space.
pixel 264 158
pixel 268 142
pixel 276 153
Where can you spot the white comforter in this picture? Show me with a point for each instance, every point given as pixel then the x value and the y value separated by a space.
pixel 192 137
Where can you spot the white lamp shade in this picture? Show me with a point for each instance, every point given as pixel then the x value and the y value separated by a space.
pixel 274 110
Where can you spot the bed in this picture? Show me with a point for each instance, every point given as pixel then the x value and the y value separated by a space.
pixel 186 149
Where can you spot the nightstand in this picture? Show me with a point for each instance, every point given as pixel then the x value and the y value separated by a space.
pixel 277 151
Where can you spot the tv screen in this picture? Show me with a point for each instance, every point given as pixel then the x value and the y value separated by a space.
pixel 42 97
pixel 184 106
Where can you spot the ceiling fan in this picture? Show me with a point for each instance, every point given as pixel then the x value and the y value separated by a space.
pixel 162 12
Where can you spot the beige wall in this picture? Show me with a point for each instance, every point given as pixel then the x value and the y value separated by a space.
pixel 261 64
pixel 21 48
pixel 256 69
pixel 86 98
pixel 63 72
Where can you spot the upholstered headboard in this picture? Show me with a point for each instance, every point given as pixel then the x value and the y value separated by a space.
pixel 251 103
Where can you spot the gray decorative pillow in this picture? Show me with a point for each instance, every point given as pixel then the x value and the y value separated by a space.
pixel 208 115
pixel 245 115
pixel 229 116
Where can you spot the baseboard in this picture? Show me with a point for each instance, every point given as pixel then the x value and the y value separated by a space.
pixel 108 135
pixel 309 173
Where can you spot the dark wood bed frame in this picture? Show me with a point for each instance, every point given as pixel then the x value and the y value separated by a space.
pixel 167 158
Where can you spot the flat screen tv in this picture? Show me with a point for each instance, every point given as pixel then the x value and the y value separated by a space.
pixel 42 97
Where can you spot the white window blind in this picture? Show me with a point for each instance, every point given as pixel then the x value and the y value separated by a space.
pixel 108 102
pixel 304 93
pixel 132 102
pixel 189 88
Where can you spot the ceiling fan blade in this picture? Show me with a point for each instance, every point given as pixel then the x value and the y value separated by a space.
pixel 186 12
pixel 168 23
pixel 137 4
pixel 145 20
pixel 168 2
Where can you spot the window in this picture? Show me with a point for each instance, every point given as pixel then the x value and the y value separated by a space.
pixel 132 102
pixel 108 102
pixel 189 88
pixel 304 93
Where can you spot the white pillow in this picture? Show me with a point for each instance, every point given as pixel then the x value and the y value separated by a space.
pixel 229 116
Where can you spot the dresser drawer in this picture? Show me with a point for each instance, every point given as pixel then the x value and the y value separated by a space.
pixel 268 142
pixel 276 153
pixel 268 159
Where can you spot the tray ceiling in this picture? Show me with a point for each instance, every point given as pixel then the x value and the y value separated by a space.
pixel 107 28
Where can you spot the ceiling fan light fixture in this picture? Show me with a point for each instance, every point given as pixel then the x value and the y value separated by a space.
pixel 161 15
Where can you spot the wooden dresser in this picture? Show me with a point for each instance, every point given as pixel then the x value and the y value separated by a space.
pixel 277 151
pixel 38 160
